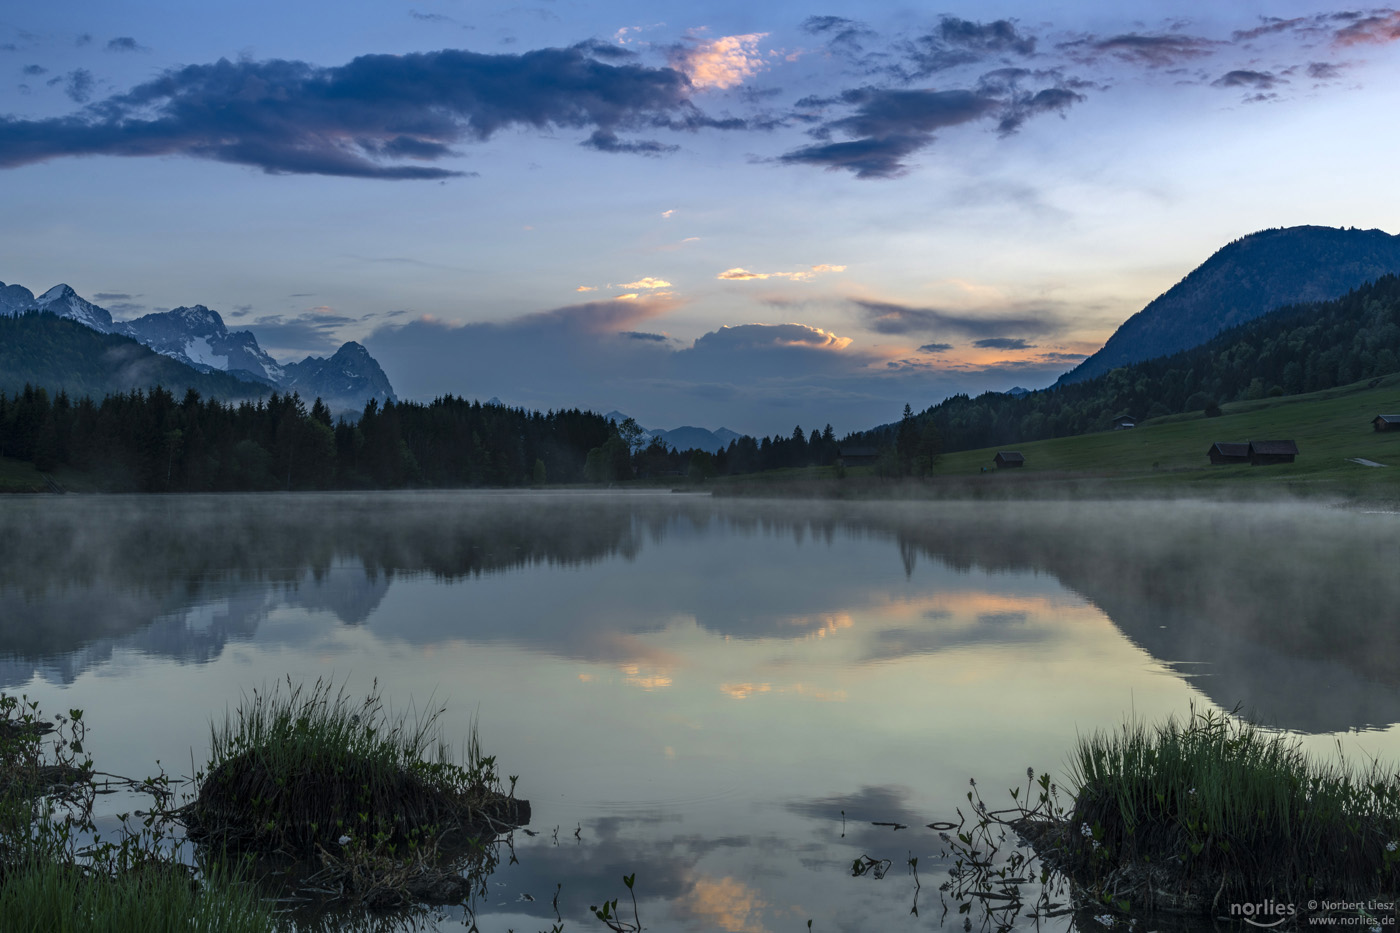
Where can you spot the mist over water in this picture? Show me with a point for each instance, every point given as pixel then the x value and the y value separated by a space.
pixel 700 686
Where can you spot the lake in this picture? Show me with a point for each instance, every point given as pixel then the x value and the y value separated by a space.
pixel 719 695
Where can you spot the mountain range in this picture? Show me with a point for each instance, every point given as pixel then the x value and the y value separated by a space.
pixel 198 338
pixel 1244 280
pixel 686 437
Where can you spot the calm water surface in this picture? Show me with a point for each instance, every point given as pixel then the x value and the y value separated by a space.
pixel 694 690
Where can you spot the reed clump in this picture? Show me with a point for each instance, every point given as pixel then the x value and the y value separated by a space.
pixel 1214 811
pixel 313 772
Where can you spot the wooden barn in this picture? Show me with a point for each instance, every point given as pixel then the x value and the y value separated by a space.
pixel 1008 458
pixel 1262 453
pixel 1124 422
pixel 1386 422
pixel 1223 452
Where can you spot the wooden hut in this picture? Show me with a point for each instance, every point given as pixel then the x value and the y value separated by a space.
pixel 1386 422
pixel 857 456
pixel 1262 453
pixel 1008 458
pixel 1223 452
pixel 1124 422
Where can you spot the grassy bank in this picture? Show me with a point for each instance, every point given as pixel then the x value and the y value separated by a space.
pixel 1162 457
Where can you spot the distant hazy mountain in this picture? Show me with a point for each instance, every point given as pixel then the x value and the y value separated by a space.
pixel 350 374
pixel 1242 281
pixel 686 437
pixel 197 337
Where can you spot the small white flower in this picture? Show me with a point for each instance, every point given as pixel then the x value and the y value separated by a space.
pixel 1105 919
pixel 1192 792
pixel 1097 845
pixel 1390 846
pixel 1085 831
pixel 343 840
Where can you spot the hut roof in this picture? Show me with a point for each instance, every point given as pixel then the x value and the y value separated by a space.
pixel 1388 419
pixel 1230 448
pixel 1274 448
pixel 1010 456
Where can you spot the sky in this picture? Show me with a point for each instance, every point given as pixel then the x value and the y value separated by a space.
pixel 717 214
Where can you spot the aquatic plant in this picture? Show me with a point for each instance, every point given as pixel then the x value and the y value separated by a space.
pixel 1215 810
pixel 301 769
pixel 59 874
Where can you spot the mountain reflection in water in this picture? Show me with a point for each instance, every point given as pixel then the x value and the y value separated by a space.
pixel 1282 610
pixel 719 696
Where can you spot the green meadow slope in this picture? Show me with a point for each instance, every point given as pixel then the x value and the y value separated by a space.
pixel 1332 428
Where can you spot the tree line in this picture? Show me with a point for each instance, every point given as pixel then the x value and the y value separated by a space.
pixel 148 441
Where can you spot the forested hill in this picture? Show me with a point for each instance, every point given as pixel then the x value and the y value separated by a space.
pixel 1300 348
pixel 1242 281
pixel 42 349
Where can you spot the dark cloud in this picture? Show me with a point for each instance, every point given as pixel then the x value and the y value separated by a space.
pixel 1024 105
pixel 77 84
pixel 607 141
pixel 311 332
pixel 643 335
pixel 1002 343
pixel 84 39
pixel 1252 79
pixel 889 318
pixel 111 296
pixel 935 348
pixel 892 125
pixel 1324 71
pixel 35 70
pixel 125 44
pixel 291 117
pixel 957 42
pixel 1058 357
pixel 841 34
pixel 1153 51
pixel 431 17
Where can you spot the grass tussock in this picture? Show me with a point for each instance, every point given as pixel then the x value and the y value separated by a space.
pixel 1216 811
pixel 42 892
pixel 312 771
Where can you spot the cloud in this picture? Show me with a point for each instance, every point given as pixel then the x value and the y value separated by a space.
pixel 111 296
pixel 719 63
pixel 643 335
pixel 961 42
pixel 891 124
pixel 744 275
pixel 935 348
pixel 608 141
pixel 35 70
pixel 1324 71
pixel 371 118
pixel 1152 51
pixel 1380 27
pixel 1252 79
pixel 311 332
pixel 77 84
pixel 586 288
pixel 1002 343
pixel 768 336
pixel 647 282
pixel 889 318
pixel 125 44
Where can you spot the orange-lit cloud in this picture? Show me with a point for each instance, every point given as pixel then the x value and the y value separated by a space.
pixel 768 336
pixel 646 282
pixel 744 275
pixel 586 288
pixel 720 63
pixel 742 691
pixel 725 904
